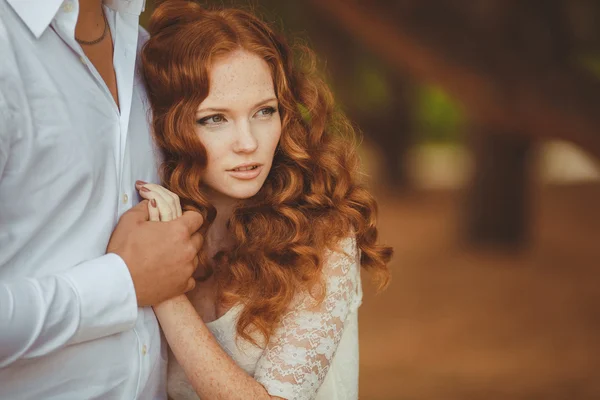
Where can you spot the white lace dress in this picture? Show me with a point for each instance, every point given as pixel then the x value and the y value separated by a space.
pixel 313 354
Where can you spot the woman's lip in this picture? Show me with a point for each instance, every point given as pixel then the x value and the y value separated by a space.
pixel 246 175
pixel 245 166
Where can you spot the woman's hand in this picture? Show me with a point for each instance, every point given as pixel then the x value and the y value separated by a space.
pixel 163 204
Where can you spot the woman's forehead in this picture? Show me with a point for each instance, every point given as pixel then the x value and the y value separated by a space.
pixel 239 76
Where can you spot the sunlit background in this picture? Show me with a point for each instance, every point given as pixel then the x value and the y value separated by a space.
pixel 481 125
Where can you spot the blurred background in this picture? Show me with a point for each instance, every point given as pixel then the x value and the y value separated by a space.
pixel 481 125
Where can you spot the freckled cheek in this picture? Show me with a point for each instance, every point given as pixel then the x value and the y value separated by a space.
pixel 269 136
pixel 216 154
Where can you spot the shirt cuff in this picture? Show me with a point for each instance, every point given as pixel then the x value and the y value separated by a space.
pixel 107 299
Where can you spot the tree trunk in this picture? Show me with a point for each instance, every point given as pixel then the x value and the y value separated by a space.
pixel 498 204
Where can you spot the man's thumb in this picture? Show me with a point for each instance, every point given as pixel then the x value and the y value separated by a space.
pixel 140 211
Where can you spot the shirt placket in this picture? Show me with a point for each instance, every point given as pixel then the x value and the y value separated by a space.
pixel 124 61
pixel 123 29
pixel 125 44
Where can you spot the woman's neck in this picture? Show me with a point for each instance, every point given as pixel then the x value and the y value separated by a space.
pixel 218 236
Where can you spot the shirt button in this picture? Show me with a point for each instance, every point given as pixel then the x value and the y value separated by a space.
pixel 82 60
pixel 144 349
pixel 125 198
pixel 67 7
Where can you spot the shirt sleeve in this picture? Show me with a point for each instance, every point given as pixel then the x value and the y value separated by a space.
pixel 298 355
pixel 89 301
pixel 85 302
pixel 4 140
pixel 8 110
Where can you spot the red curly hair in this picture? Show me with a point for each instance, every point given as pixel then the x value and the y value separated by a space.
pixel 311 198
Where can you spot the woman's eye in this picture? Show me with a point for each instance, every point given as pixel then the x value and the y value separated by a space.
pixel 267 111
pixel 212 120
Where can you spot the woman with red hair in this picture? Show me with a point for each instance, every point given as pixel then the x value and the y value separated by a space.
pixel 252 141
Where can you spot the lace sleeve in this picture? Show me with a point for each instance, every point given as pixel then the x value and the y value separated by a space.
pixel 297 357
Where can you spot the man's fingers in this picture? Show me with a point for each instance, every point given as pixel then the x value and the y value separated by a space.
pixel 193 220
pixel 140 211
pixel 197 240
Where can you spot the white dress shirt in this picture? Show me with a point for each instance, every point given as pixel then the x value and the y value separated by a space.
pixel 70 327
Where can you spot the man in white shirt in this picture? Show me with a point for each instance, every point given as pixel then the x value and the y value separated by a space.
pixel 75 321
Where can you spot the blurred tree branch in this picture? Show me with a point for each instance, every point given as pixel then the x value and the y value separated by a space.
pixel 490 55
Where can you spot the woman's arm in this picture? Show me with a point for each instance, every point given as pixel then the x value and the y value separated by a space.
pixel 210 370
pixel 296 359
pixel 301 350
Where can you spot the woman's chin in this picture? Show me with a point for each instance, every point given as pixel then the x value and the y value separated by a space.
pixel 244 196
pixel 234 190
pixel 241 193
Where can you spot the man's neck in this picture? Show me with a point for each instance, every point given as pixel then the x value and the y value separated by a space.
pixel 90 20
pixel 89 6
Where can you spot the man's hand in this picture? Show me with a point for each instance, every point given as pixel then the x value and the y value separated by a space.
pixel 161 257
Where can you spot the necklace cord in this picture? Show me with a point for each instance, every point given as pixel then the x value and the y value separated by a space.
pixel 98 40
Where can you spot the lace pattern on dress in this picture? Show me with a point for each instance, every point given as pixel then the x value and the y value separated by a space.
pixel 298 355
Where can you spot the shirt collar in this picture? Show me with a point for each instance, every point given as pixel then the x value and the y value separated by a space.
pixel 38 14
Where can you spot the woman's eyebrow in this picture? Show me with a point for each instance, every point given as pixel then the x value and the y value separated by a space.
pixel 222 110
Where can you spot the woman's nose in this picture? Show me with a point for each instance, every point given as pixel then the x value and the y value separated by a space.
pixel 245 141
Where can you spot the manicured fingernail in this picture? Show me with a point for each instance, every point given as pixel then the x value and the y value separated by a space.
pixel 140 183
pixel 153 202
pixel 144 189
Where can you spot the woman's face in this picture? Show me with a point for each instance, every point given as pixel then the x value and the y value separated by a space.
pixel 239 125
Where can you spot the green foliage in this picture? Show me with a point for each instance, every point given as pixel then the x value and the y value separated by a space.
pixel 438 118
pixel 591 62
pixel 370 91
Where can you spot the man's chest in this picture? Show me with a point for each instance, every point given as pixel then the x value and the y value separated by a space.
pixel 72 140
pixel 71 109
